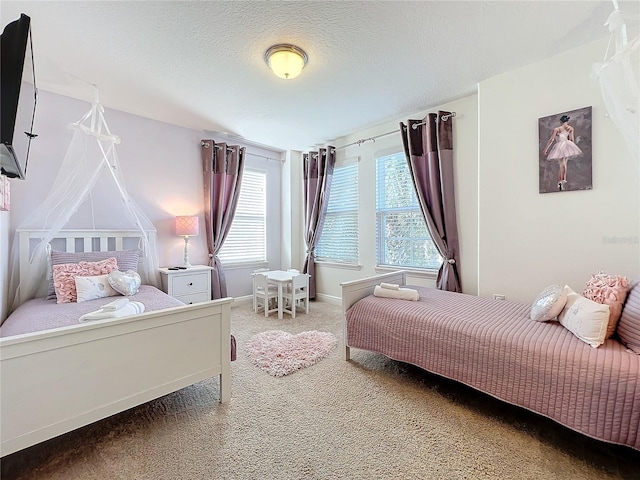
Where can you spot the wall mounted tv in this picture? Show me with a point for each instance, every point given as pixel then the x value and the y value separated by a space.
pixel 18 97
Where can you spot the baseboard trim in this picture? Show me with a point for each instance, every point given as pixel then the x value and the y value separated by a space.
pixel 237 301
pixel 322 297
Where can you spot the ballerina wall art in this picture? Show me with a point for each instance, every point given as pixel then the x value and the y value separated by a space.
pixel 564 151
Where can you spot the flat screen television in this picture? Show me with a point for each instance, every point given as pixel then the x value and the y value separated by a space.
pixel 18 97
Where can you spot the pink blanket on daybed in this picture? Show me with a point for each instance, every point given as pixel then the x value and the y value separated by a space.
pixel 493 346
pixel 39 314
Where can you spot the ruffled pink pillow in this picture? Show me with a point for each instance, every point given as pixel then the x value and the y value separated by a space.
pixel 64 276
pixel 608 290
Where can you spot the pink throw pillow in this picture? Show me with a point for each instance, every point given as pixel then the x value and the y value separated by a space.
pixel 64 276
pixel 608 290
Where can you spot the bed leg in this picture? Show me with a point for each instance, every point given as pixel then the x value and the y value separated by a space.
pixel 347 353
pixel 225 388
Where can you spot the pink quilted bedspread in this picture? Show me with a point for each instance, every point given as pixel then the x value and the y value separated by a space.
pixel 40 314
pixel 494 347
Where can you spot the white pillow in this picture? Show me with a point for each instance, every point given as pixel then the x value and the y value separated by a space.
pixel 90 288
pixel 548 304
pixel 585 318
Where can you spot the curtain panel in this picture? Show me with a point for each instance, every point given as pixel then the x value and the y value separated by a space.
pixel 318 172
pixel 222 175
pixel 428 146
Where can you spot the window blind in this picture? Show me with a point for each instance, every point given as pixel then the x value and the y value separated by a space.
pixel 247 239
pixel 339 237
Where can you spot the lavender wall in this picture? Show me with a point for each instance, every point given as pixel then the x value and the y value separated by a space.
pixel 162 167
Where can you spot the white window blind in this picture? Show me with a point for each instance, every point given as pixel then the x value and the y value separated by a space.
pixel 247 239
pixel 339 237
pixel 402 238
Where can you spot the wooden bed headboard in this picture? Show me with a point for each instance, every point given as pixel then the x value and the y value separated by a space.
pixel 72 241
pixel 356 289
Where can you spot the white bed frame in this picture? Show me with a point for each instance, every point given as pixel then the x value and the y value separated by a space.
pixel 357 289
pixel 58 380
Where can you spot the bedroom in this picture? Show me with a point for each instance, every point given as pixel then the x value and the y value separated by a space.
pixel 506 224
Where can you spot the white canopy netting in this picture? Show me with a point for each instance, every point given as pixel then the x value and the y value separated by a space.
pixel 88 193
pixel 619 79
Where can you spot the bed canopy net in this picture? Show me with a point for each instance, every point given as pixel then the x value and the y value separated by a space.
pixel 88 193
pixel 619 79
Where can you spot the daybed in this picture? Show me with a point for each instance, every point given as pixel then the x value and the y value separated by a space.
pixel 493 346
pixel 61 378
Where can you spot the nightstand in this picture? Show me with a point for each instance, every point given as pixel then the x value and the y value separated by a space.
pixel 192 285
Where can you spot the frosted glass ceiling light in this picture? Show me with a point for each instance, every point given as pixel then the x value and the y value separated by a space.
pixel 286 61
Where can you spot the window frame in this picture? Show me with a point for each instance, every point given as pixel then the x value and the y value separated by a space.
pixel 411 209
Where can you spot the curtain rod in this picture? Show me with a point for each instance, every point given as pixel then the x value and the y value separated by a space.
pixel 204 144
pixel 444 118
pixel 263 156
pixel 363 140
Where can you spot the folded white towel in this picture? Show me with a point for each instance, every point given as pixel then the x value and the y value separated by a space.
pixel 401 293
pixel 390 286
pixel 115 305
pixel 131 308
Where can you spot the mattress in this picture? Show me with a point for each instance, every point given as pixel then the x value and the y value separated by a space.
pixel 40 314
pixel 494 347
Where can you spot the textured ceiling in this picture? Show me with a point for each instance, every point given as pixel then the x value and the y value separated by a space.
pixel 200 64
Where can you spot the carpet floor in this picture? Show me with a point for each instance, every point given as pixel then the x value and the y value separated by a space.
pixel 371 418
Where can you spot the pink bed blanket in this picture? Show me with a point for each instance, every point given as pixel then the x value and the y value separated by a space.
pixel 494 347
pixel 40 314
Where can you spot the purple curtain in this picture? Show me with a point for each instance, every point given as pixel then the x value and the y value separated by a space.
pixel 428 146
pixel 222 165
pixel 318 172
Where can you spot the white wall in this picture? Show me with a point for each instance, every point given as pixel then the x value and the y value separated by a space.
pixel 529 240
pixel 293 246
pixel 163 171
pixel 514 240
pixel 329 277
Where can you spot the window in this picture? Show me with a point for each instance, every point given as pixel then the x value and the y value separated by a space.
pixel 402 238
pixel 247 239
pixel 339 237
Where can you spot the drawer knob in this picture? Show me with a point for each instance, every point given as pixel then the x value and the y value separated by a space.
pixel 191 284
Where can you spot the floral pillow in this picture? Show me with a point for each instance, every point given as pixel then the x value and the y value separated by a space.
pixel 127 260
pixel 91 288
pixel 585 318
pixel 608 290
pixel 64 276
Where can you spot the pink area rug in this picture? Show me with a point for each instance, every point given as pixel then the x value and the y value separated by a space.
pixel 280 353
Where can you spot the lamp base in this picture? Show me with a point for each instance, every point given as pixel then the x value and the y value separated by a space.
pixel 186 263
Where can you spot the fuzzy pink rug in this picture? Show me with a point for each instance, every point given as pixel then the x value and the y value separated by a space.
pixel 280 353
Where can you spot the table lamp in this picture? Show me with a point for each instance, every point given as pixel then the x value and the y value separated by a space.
pixel 187 226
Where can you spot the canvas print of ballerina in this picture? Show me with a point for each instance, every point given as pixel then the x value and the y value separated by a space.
pixel 565 151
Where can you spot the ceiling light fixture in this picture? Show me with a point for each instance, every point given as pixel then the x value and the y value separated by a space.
pixel 286 61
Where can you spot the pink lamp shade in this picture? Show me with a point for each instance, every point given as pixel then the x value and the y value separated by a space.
pixel 187 226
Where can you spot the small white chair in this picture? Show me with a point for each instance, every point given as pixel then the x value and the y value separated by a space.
pixel 271 287
pixel 294 271
pixel 299 292
pixel 263 294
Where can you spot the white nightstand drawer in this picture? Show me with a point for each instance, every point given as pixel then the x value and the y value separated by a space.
pixel 194 298
pixel 190 284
